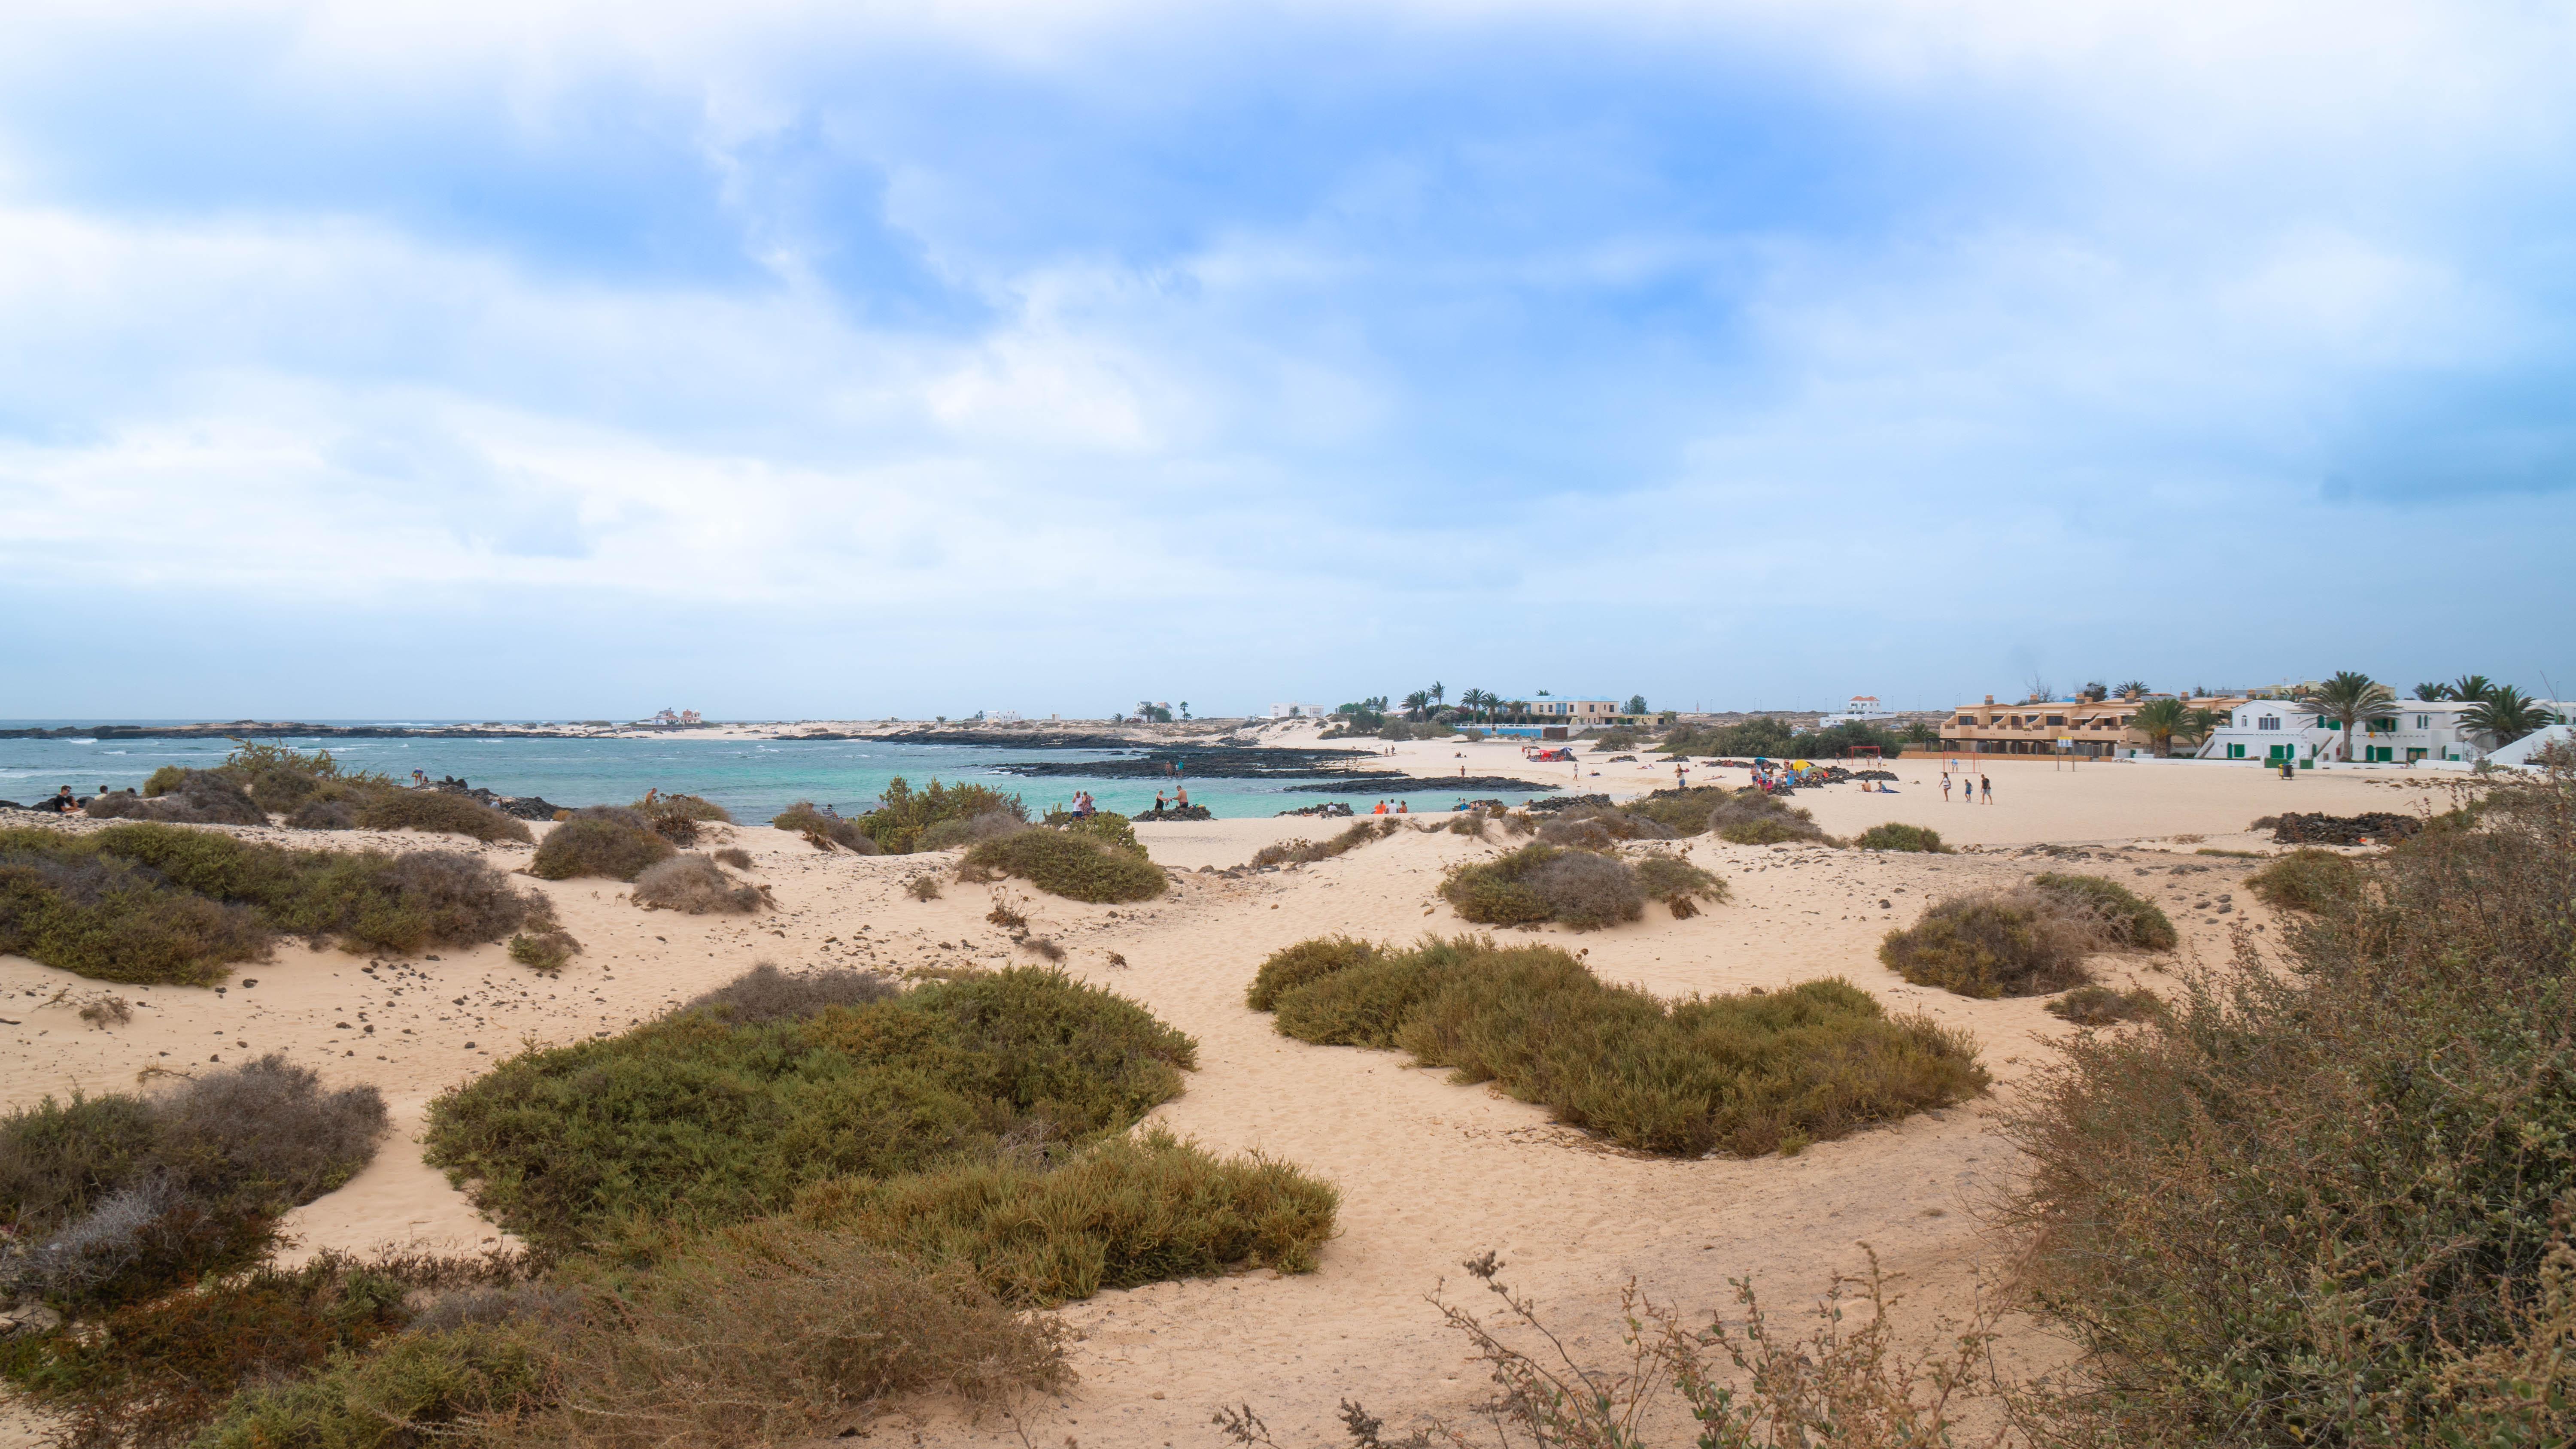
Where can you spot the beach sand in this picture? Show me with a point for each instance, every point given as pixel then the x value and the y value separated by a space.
pixel 1430 1173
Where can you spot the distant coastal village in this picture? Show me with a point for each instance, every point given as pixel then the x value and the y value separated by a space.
pixel 2346 719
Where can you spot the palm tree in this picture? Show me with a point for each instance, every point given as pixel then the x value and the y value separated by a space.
pixel 2504 714
pixel 2160 720
pixel 2200 722
pixel 2347 699
pixel 2094 692
pixel 2432 691
pixel 2470 688
pixel 1438 691
pixel 1416 702
pixel 2134 689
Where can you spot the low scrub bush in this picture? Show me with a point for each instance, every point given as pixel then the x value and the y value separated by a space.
pixel 766 994
pixel 2104 1005
pixel 735 856
pixel 1304 852
pixel 1290 967
pixel 1122 1213
pixel 2307 880
pixel 903 813
pixel 1752 817
pixel 2018 942
pixel 923 888
pixel 676 818
pixel 1075 866
pixel 1540 882
pixel 600 840
pixel 474 1381
pixel 1593 827
pixel 2329 1204
pixel 2126 920
pixel 194 797
pixel 1680 885
pixel 109 1199
pixel 151 1373
pixel 1682 812
pixel 694 884
pixel 1892 836
pixel 823 831
pixel 958 832
pixel 439 810
pixel 697 1120
pixel 544 952
pixel 163 903
pixel 323 815
pixel 1747 1074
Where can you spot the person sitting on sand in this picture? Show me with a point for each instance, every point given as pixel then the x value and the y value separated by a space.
pixel 1381 808
pixel 1403 807
pixel 61 803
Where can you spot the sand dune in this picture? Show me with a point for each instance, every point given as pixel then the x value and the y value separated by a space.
pixel 1430 1173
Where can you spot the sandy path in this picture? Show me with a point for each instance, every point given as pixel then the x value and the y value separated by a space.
pixel 1430 1173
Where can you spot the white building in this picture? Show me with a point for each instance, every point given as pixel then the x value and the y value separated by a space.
pixel 1300 711
pixel 1863 709
pixel 2403 732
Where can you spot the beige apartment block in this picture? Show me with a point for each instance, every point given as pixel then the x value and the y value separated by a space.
pixel 2079 728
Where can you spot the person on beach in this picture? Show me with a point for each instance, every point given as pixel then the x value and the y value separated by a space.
pixel 1158 802
pixel 1945 787
pixel 61 804
pixel 1403 807
pixel 1181 794
pixel 1381 808
pixel 1988 782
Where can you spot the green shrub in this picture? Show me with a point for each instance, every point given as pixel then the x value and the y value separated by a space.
pixel 439 810
pixel 600 840
pixel 1682 812
pixel 1293 966
pixel 150 1373
pixel 1593 827
pixel 1077 867
pixel 415 1389
pixel 956 833
pixel 1303 852
pixel 823 831
pixel 2104 1005
pixel 676 818
pixel 1747 1073
pixel 2328 1205
pixel 1106 826
pixel 694 884
pixel 115 1198
pixel 196 797
pixel 2127 920
pixel 903 813
pixel 323 815
pixel 1124 1213
pixel 2021 942
pixel 163 903
pixel 2307 880
pixel 1891 836
pixel 162 781
pixel 1676 882
pixel 544 952
pixel 700 1121
pixel 1540 882
pixel 765 994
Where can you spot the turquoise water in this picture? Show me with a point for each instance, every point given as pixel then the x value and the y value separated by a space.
pixel 754 779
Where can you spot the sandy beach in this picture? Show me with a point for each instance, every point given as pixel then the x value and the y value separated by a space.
pixel 1430 1173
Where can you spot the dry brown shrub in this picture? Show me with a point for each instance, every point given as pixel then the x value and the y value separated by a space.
pixel 693 884
pixel 108 1011
pixel 600 840
pixel 765 993
pixel 2022 941
pixel 439 810
pixel 735 856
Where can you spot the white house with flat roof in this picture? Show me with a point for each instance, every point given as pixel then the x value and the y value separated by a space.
pixel 1300 711
pixel 2404 732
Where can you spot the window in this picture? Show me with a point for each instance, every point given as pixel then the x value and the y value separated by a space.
pixel 1967 719
pixel 2384 726
pixel 2270 722
pixel 2423 721
pixel 2057 719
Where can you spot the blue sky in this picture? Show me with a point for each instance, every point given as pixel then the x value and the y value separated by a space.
pixel 571 359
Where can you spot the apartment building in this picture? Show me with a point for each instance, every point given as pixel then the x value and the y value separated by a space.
pixel 2402 733
pixel 2080 728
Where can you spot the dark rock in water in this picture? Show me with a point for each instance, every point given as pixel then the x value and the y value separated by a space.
pixel 2297 829
pixel 1415 785
pixel 1195 762
pixel 1329 809
pixel 1176 812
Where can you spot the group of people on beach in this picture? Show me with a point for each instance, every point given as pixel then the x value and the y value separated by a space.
pixel 1968 789
pixel 1401 808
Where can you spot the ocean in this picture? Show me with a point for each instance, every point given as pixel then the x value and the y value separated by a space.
pixel 754 779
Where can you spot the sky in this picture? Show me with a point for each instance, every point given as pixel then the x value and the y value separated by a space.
pixel 565 359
